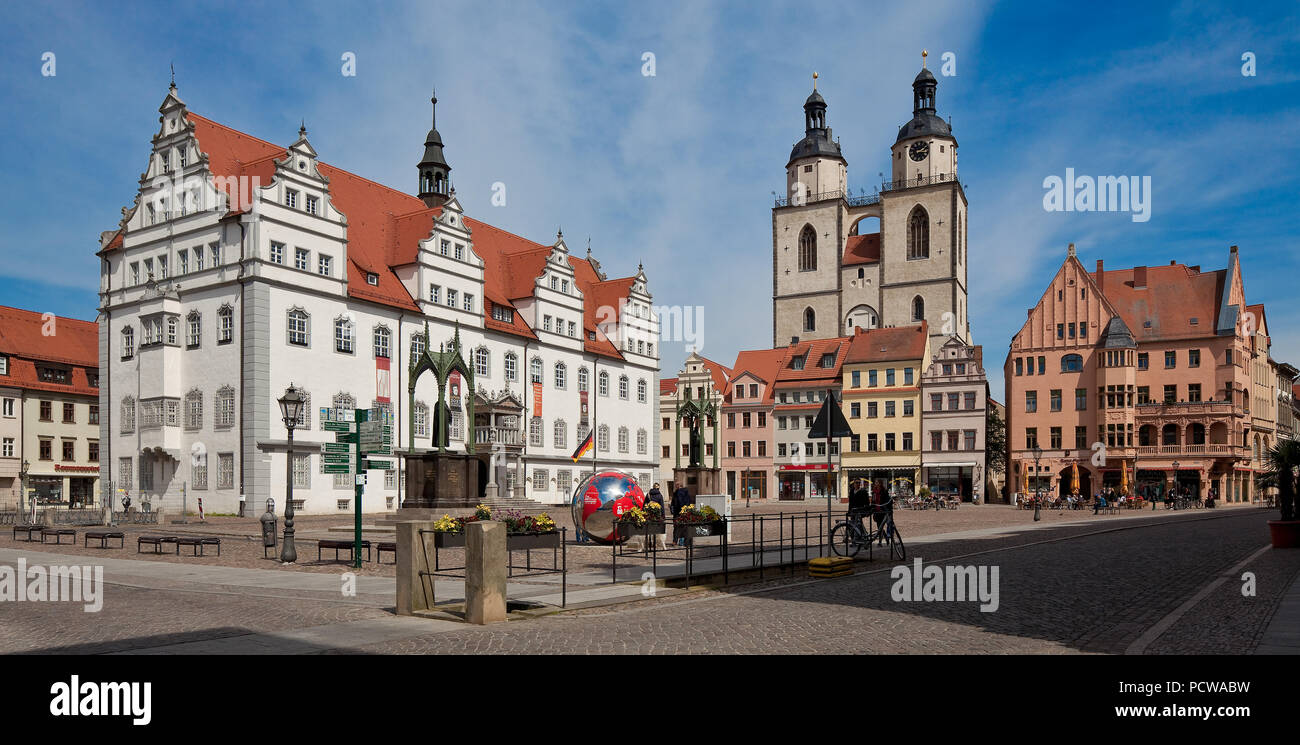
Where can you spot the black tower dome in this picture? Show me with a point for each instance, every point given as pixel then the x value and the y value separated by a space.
pixel 435 178
pixel 817 140
pixel 924 119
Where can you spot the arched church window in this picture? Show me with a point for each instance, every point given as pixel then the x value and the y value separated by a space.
pixel 918 234
pixel 808 249
pixel 809 319
pixel 918 309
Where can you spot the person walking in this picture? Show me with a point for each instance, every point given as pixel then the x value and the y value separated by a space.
pixel 681 498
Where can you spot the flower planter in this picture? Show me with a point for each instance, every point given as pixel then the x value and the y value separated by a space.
pixel 699 530
pixel 532 541
pixel 628 530
pixel 449 540
pixel 1284 533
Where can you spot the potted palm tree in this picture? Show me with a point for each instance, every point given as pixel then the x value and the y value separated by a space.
pixel 1282 466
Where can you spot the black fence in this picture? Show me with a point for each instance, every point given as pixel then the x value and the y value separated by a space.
pixel 768 545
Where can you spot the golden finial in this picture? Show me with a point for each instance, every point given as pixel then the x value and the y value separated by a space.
pixel 814 80
pixel 924 54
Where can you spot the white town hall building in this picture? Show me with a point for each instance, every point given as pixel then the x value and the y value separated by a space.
pixel 244 267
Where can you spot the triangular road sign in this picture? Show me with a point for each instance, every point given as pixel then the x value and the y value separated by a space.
pixel 829 418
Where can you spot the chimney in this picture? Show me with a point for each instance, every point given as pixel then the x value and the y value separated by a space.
pixel 794 340
pixel 1101 277
pixel 1139 277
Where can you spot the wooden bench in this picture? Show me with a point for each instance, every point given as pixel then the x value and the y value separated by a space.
pixel 156 541
pixel 58 534
pixel 338 545
pixel 28 529
pixel 381 547
pixel 103 536
pixel 198 544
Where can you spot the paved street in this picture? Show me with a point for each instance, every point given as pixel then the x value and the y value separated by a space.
pixel 1134 586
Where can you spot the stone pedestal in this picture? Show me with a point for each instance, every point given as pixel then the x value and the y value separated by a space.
pixel 485 572
pixel 414 590
pixel 698 480
pixel 437 480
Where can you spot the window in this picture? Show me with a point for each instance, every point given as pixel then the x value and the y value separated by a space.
pixel 512 366
pixel 1042 365
pixel 435 294
pixel 47 411
pixel 872 409
pixel 889 377
pixel 46 449
pixel 602 438
pixel 128 415
pixel 481 362
pixel 1031 401
pixel 301 259
pixel 872 378
pixel 311 205
pixel 171 329
pixel 1080 399
pixel 561 434
pixel 641 391
pixel 372 279
pixel 421 414
pixel 194 330
pixel 808 249
pixel 857 379
pixel 1142 361
pixel 1171 394
pixel 183 262
pixel 1071 363
pixel 225 405
pixel 1056 399
pixel 69 450
pixel 809 324
pixel 225 324
pixel 1020 366
pixel 918 309
pixel 622 439
pixel 502 313
pixel 128 343
pixel 918 234
pixel 1031 437
pixel 469 302
pixel 602 384
pixel 1171 359
pixel 907 376
pixel 451 298
pixel 889 409
pixel 1194 392
pixel 324 266
pixel 299 334
pixel 827 361
pixel 642 440
pixel 198 258
pixel 1193 358
pixel 907 407
pixel 622 387
pixel 94 414
pixel 382 341
pixel 561 376
pixel 301 471
pixel 573 332
pixel 194 409
pixel 343 336
pixel 290 198
pixel 535 370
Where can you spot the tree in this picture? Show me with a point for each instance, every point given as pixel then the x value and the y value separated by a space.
pixel 1282 462
pixel 995 441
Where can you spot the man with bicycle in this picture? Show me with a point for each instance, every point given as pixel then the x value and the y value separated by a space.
pixel 882 504
pixel 859 503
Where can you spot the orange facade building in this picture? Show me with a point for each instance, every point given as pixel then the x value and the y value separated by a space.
pixel 1149 375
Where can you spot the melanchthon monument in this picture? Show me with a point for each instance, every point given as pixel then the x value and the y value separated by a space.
pixel 438 477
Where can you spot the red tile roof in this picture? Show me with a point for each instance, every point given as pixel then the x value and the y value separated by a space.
pixel 74 343
pixel 862 249
pixel 1163 308
pixel 884 345
pixel 762 364
pixel 812 351
pixel 667 386
pixel 385 227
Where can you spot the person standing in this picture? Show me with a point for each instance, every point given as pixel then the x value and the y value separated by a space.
pixel 681 498
pixel 657 497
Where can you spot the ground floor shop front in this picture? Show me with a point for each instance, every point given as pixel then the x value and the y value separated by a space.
pixel 797 483
pixel 896 481
pixel 75 491
pixel 956 480
pixel 1225 480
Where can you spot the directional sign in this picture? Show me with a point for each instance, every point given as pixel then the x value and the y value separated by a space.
pixel 345 437
pixel 332 468
pixel 336 447
pixel 336 458
pixel 338 426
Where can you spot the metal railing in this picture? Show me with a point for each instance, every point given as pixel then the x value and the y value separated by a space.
pixel 915 182
pixel 799 200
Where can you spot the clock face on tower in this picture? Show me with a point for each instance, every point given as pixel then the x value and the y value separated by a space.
pixel 918 151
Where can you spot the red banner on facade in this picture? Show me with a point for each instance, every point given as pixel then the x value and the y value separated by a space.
pixel 583 397
pixel 383 377
pixel 537 399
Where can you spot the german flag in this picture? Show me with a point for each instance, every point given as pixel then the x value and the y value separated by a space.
pixel 584 447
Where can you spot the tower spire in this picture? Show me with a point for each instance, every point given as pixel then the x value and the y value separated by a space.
pixel 435 173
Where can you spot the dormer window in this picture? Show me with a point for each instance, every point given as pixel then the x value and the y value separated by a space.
pixel 797 363
pixel 372 279
pixel 828 360
pixel 502 314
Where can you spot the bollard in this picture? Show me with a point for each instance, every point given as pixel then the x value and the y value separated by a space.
pixel 485 572
pixel 414 590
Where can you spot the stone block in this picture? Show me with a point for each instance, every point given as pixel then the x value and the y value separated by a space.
pixel 485 572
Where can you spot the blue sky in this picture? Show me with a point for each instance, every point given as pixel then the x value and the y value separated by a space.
pixel 677 170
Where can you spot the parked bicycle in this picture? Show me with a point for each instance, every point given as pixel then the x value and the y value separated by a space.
pixel 851 535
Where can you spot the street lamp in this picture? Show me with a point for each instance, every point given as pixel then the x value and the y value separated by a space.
pixel 22 487
pixel 1173 491
pixel 291 407
pixel 1038 491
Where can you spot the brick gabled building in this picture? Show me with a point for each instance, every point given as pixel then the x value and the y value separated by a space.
pixel 1160 370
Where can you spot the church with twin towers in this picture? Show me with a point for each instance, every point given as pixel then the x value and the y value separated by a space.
pixel 895 257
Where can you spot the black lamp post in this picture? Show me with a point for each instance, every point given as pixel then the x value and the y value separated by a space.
pixel 1172 497
pixel 1038 490
pixel 22 487
pixel 291 407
